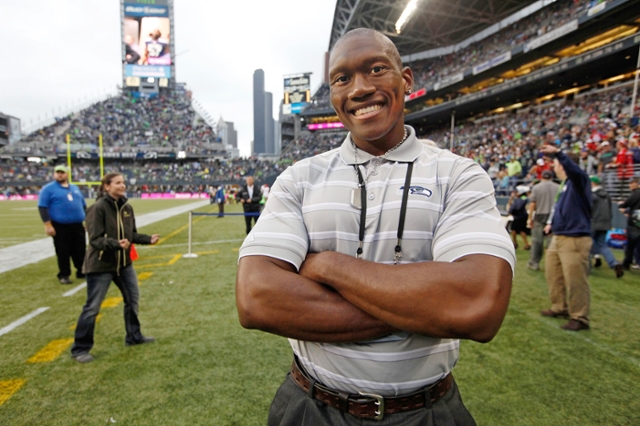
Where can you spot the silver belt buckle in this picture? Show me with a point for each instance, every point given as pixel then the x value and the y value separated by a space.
pixel 379 403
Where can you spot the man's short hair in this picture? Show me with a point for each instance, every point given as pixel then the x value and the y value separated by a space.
pixel 389 47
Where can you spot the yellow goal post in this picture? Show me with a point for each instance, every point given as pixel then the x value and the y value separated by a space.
pixel 100 153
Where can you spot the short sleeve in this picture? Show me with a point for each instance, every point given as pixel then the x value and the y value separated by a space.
pixel 44 197
pixel 470 222
pixel 280 231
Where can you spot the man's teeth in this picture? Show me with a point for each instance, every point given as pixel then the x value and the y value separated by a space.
pixel 367 110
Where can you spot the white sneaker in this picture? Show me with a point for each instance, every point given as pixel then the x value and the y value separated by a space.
pixel 635 266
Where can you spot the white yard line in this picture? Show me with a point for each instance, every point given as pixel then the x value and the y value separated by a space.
pixel 75 290
pixel 21 321
pixel 34 251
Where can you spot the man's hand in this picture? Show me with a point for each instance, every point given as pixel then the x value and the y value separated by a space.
pixel 547 229
pixel 124 243
pixel 549 149
pixel 49 230
pixel 529 223
pixel 155 238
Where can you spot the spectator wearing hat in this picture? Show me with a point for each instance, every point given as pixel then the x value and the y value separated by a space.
pixel 606 156
pixel 567 258
pixel 542 198
pixel 62 209
pixel 600 224
pixel 536 170
pixel 517 207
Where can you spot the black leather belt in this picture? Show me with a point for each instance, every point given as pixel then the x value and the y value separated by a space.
pixel 368 405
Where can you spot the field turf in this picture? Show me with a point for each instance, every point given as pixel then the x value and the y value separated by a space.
pixel 205 369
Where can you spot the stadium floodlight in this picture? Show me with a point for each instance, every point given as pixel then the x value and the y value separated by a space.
pixel 406 14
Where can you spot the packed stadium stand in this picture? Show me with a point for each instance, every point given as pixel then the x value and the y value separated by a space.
pixel 511 76
pixel 127 124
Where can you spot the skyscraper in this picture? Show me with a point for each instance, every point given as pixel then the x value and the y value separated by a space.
pixel 263 125
pixel 259 113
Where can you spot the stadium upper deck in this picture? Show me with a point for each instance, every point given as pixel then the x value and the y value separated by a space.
pixel 158 127
pixel 554 35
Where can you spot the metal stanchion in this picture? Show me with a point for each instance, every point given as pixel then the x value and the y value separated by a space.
pixel 189 254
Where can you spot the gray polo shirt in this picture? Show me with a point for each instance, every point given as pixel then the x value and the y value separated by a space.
pixel 544 195
pixel 451 213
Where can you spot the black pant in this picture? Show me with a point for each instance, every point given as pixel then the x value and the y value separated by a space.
pixel 70 242
pixel 633 241
pixel 252 213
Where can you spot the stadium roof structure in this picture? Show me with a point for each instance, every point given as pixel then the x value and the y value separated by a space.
pixel 434 24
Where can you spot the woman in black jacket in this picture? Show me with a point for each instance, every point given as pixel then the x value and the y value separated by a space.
pixel 111 226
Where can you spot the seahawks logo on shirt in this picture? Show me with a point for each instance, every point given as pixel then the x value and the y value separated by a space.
pixel 416 190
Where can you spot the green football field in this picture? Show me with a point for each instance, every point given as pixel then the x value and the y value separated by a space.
pixel 204 369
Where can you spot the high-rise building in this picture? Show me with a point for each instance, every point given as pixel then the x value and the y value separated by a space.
pixel 259 114
pixel 263 124
pixel 233 134
pixel 270 147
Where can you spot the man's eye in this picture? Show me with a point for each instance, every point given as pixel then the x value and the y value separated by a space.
pixel 340 79
pixel 377 69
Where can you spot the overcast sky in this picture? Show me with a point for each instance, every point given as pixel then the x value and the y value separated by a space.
pixel 60 54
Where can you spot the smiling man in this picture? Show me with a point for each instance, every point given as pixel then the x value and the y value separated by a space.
pixel 374 259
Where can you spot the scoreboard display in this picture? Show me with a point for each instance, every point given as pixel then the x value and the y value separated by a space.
pixel 297 92
pixel 146 38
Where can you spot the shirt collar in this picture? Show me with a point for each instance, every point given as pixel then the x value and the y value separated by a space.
pixel 405 153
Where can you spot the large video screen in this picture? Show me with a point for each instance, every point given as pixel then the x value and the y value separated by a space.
pixel 147 35
pixel 297 92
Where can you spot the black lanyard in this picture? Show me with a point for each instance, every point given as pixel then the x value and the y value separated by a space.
pixel 403 212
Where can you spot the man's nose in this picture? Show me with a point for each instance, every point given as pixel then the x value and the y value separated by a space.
pixel 361 86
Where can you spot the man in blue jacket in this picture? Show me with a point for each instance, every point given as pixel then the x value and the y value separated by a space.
pixel 62 209
pixel 567 259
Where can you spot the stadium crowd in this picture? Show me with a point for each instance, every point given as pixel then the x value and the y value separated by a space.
pixel 594 125
pixel 550 17
pixel 506 145
pixel 432 70
pixel 126 123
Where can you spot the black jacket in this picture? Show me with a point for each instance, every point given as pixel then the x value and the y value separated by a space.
pixel 632 203
pixel 250 204
pixel 601 210
pixel 109 221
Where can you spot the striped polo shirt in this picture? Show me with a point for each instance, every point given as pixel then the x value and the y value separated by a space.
pixel 451 212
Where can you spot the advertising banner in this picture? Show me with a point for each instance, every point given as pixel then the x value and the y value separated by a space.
pixel 417 94
pixel 146 39
pixel 500 59
pixel 147 71
pixel 448 80
pixel 551 35
pixel 179 195
pixel 323 126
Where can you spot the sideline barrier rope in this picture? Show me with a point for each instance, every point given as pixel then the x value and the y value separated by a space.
pixel 190 254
